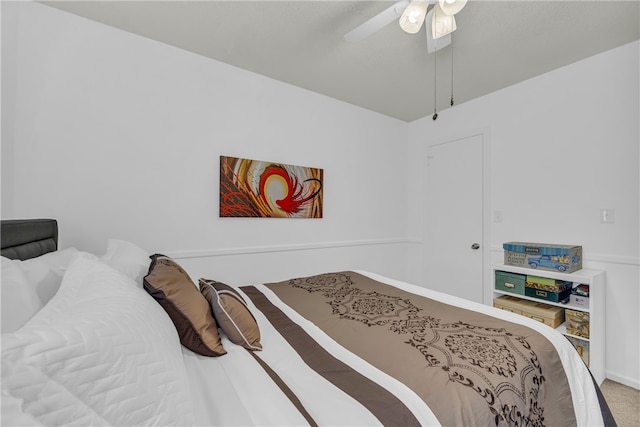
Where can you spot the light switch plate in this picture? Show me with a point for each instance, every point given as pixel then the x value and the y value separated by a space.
pixel 607 216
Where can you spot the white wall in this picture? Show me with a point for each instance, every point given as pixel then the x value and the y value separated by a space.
pixel 562 146
pixel 119 136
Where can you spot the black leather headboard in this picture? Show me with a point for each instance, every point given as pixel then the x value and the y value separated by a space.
pixel 28 238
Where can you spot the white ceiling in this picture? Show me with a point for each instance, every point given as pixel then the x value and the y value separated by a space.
pixel 497 44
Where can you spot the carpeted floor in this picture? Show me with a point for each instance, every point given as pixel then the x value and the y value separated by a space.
pixel 624 403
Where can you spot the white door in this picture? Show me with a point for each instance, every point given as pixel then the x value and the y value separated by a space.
pixel 454 221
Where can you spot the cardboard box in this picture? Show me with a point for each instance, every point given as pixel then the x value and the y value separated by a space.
pixel 545 313
pixel 550 315
pixel 565 258
pixel 509 303
pixel 579 301
pixel 582 347
pixel 548 289
pixel 580 296
pixel 577 323
pixel 510 282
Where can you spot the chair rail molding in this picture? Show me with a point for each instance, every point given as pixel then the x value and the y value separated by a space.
pixel 206 253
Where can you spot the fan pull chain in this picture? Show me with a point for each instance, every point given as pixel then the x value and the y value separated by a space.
pixel 452 73
pixel 435 85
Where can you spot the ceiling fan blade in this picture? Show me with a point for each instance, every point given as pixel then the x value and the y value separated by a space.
pixel 377 22
pixel 440 42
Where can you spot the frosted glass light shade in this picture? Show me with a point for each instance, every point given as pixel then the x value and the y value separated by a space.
pixel 413 16
pixel 451 7
pixel 435 44
pixel 441 24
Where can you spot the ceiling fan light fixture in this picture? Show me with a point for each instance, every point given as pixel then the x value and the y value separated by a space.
pixel 413 16
pixel 441 24
pixel 451 7
pixel 435 44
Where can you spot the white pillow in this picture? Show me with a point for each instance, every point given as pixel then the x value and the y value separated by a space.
pixel 127 258
pixel 101 352
pixel 19 299
pixel 12 410
pixel 45 272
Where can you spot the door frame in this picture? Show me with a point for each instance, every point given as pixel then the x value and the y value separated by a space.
pixel 485 134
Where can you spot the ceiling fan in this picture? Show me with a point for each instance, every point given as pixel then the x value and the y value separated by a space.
pixel 439 19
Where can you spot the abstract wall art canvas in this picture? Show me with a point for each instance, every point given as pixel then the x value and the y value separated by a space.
pixel 255 188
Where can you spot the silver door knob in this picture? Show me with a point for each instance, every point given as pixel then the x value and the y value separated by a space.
pixel 475 246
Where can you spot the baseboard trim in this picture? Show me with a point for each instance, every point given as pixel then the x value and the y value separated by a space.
pixel 630 382
pixel 250 250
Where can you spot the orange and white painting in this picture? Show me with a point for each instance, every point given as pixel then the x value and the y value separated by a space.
pixel 255 188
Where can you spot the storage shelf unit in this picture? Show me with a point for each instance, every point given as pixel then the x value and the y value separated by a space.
pixel 596 281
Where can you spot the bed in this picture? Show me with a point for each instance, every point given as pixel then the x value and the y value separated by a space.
pixel 129 338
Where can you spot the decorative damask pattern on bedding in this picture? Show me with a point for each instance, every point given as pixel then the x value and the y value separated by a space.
pixel 469 368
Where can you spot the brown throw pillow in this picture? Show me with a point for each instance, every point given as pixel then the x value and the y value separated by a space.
pixel 174 290
pixel 232 314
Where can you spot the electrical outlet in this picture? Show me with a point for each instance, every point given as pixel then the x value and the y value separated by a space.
pixel 497 216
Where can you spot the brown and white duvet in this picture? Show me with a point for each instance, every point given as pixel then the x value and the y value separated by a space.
pixel 355 348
